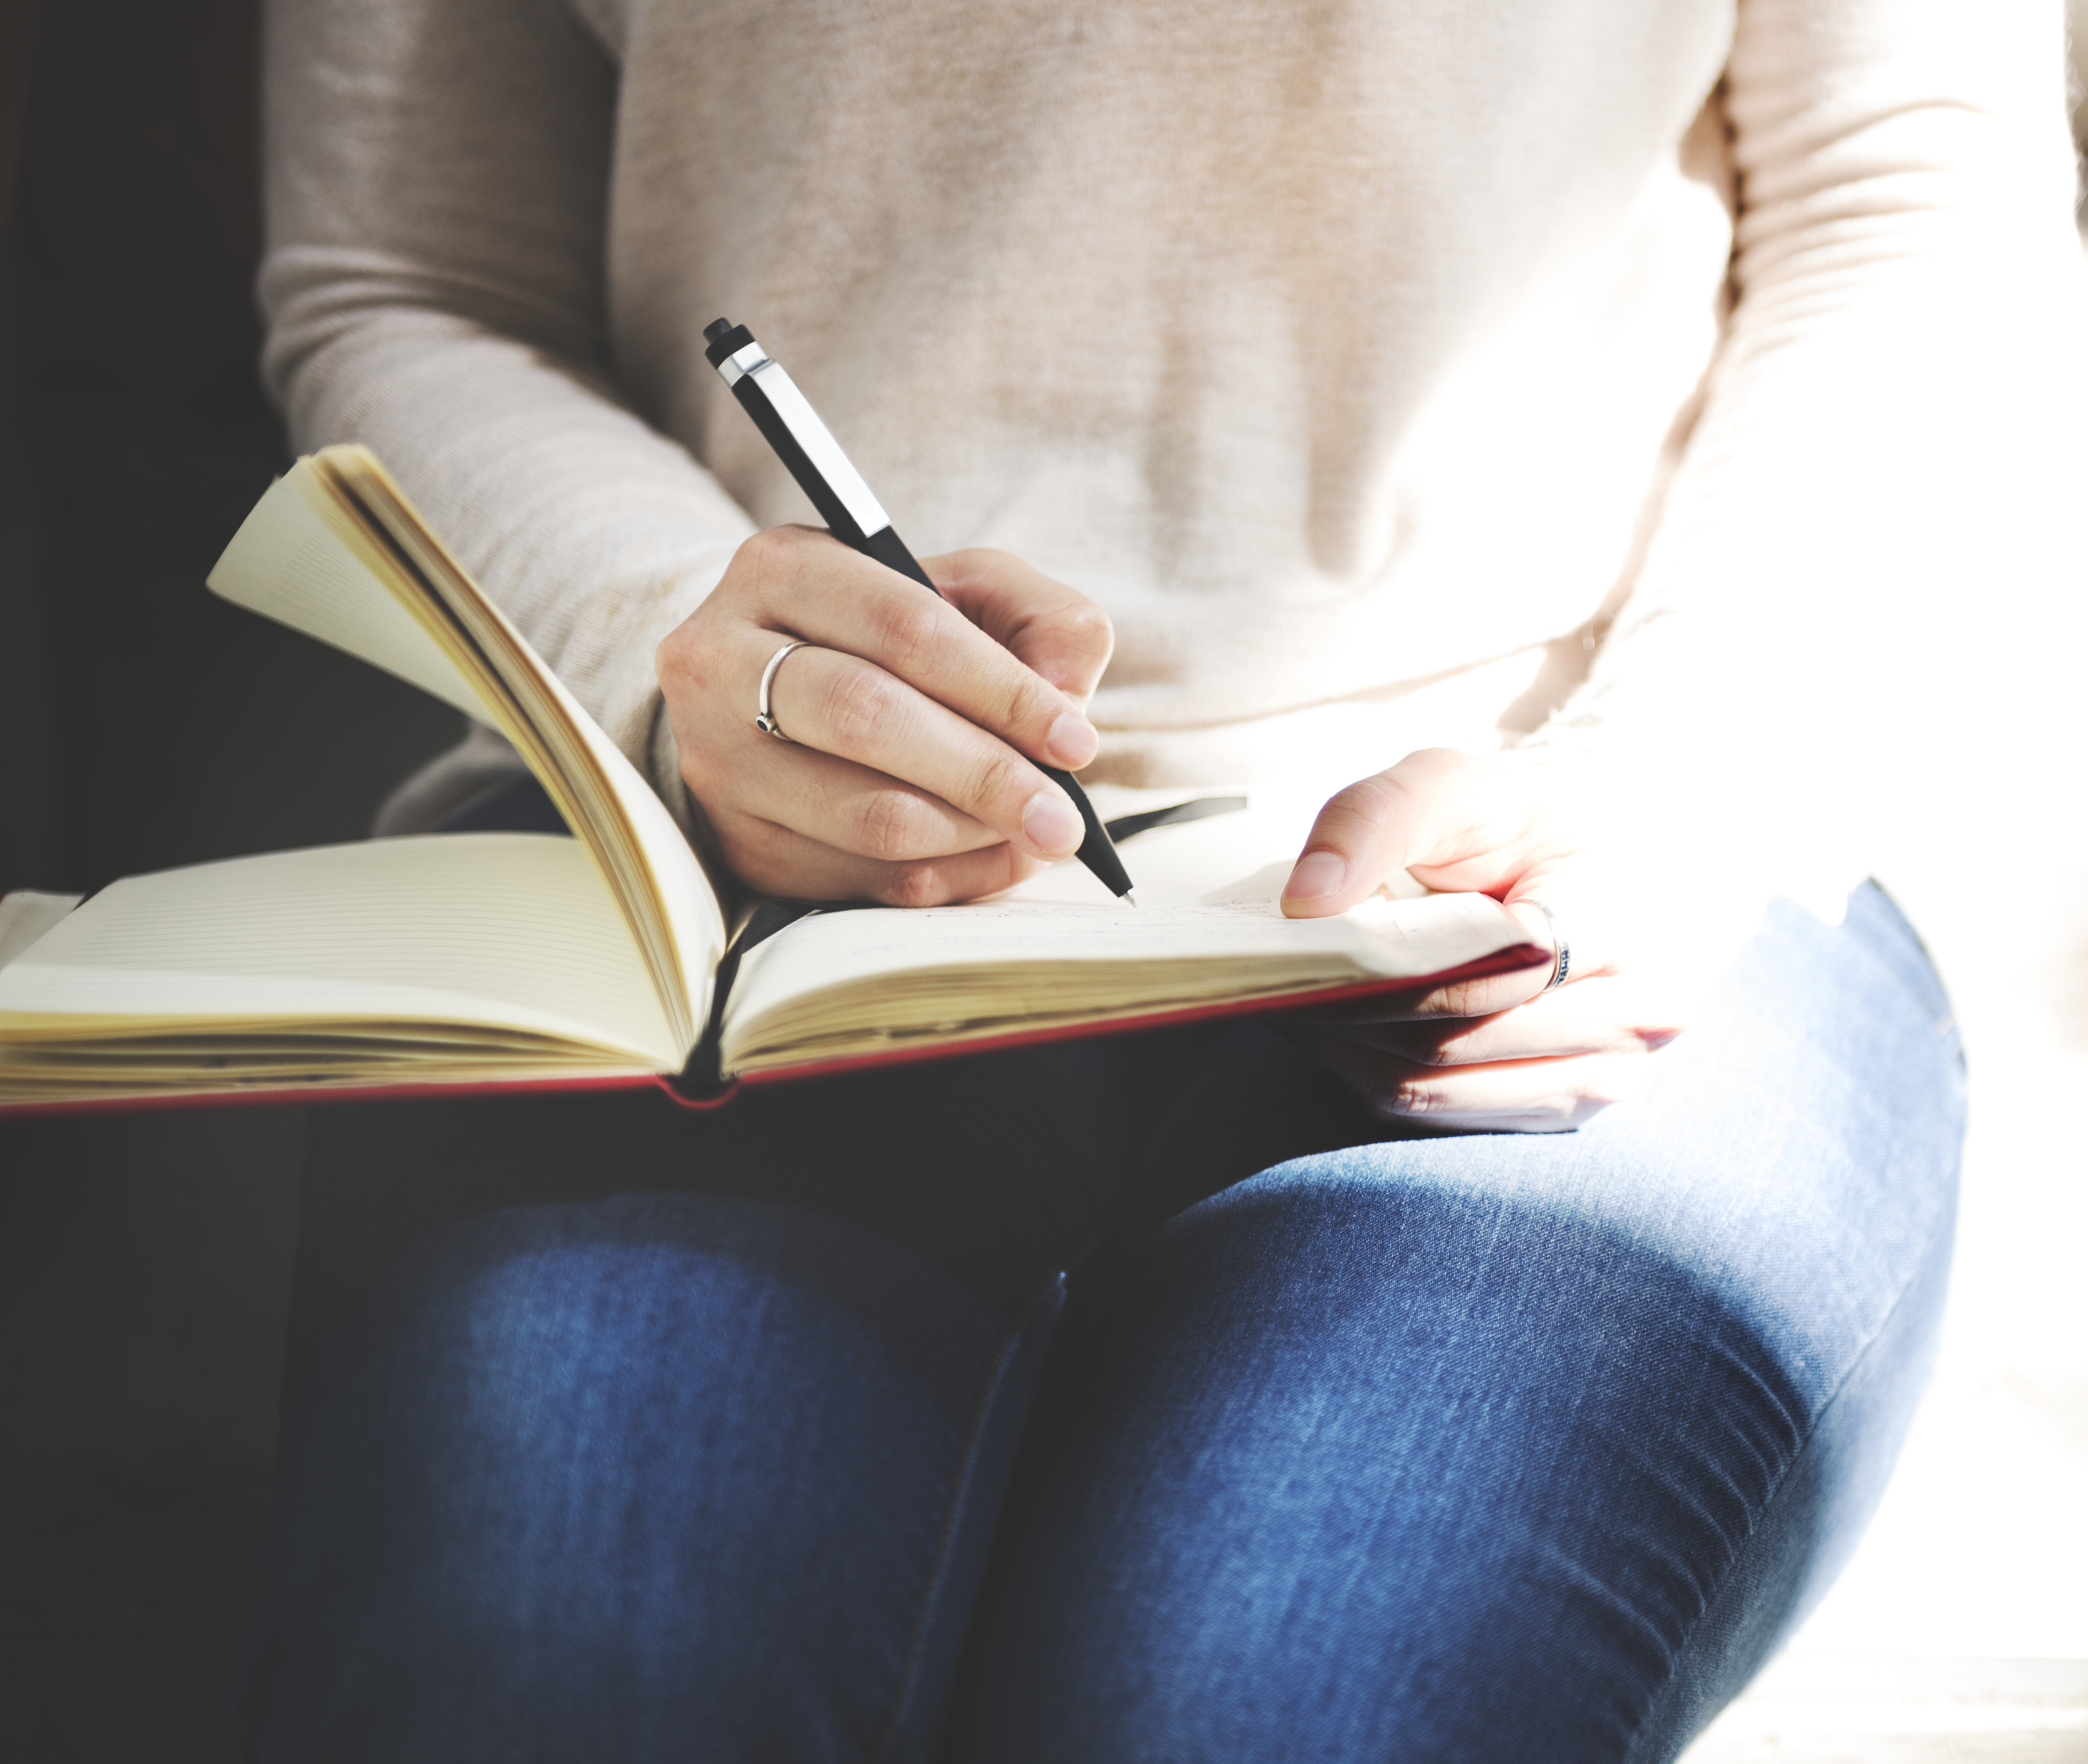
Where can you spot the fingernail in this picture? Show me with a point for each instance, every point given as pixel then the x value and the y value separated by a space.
pixel 1050 823
pixel 1072 740
pixel 1318 875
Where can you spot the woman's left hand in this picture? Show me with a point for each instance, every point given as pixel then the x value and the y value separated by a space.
pixel 1647 933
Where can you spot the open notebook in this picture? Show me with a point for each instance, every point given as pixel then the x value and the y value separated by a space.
pixel 469 960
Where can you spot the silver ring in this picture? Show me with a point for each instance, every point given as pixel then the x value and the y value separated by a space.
pixel 764 718
pixel 1562 957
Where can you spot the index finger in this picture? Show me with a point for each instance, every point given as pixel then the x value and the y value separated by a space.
pixel 836 598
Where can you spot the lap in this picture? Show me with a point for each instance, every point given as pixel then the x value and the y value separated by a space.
pixel 607 1422
pixel 1378 1417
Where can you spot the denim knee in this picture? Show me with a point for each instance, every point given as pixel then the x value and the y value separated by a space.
pixel 660 1477
pixel 1400 1449
pixel 1415 1470
pixel 1413 1467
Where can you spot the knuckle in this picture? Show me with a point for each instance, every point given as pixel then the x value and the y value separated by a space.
pixel 1460 999
pixel 1003 778
pixel 684 655
pixel 668 653
pixel 1414 1098
pixel 889 826
pixel 1354 813
pixel 1403 1095
pixel 1088 628
pixel 976 561
pixel 765 554
pixel 1380 798
pixel 1388 1105
pixel 908 627
pixel 1030 703
pixel 858 703
pixel 909 884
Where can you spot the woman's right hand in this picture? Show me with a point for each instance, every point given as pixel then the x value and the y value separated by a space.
pixel 915 724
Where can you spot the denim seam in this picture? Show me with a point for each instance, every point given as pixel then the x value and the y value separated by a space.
pixel 960 1499
pixel 1797 1458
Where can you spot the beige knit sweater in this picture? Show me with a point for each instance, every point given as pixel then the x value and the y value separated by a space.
pixel 1363 360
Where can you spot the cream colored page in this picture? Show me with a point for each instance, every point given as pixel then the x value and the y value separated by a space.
pixel 25 916
pixel 1180 865
pixel 693 919
pixel 512 930
pixel 287 564
pixel 1381 938
pixel 696 925
pixel 1064 928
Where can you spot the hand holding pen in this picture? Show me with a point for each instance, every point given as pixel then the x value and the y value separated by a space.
pixel 907 740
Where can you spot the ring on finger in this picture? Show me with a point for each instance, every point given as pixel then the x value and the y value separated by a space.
pixel 764 717
pixel 1562 955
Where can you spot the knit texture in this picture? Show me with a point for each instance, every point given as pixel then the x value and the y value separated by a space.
pixel 1366 362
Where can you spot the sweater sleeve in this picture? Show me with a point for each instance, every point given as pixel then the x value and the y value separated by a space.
pixel 437 188
pixel 1869 500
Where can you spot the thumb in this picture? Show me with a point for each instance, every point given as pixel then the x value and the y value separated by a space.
pixel 1437 809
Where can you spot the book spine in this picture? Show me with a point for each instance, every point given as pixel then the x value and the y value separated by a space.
pixel 701 1083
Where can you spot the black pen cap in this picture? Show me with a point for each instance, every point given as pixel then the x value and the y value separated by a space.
pixel 724 338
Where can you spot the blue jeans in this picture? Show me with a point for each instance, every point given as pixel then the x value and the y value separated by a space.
pixel 1131 1401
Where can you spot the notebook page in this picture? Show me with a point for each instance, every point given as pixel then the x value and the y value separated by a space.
pixel 851 982
pixel 286 564
pixel 512 931
pixel 1180 864
pixel 669 899
pixel 26 915
pixel 314 556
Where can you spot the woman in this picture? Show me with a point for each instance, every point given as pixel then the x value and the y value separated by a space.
pixel 1507 408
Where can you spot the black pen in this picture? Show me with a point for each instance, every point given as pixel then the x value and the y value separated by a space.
pixel 809 451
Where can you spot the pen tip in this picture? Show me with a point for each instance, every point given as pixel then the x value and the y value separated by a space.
pixel 1129 898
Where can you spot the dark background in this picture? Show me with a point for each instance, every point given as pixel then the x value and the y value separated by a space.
pixel 145 1260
